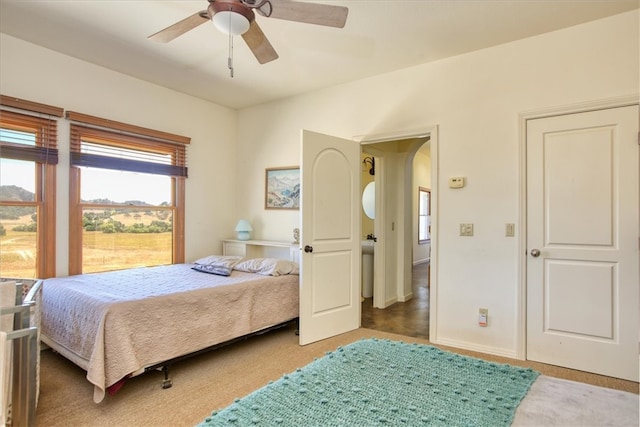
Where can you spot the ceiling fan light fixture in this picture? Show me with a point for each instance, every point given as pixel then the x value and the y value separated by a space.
pixel 231 23
pixel 231 18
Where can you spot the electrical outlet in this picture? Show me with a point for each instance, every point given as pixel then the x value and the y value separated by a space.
pixel 510 230
pixel 466 229
pixel 483 316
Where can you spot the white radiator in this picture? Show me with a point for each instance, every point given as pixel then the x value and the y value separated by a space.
pixel 19 351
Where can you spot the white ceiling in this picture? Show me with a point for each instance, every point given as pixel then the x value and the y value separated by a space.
pixel 380 36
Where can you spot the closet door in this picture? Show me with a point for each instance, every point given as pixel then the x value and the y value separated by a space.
pixel 582 241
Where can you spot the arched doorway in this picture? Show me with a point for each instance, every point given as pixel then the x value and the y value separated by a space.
pixel 405 306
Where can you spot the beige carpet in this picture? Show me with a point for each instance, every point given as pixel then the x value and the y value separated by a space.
pixel 211 381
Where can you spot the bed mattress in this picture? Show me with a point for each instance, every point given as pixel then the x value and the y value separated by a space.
pixel 114 324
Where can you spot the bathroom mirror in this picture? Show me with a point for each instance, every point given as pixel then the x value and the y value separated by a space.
pixel 369 200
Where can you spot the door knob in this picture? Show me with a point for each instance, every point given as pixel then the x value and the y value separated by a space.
pixel 535 253
pixel 308 249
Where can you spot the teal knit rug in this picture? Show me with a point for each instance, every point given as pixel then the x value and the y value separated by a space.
pixel 376 382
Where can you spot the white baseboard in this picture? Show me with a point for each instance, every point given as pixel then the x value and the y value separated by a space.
pixel 495 351
pixel 389 302
pixel 406 297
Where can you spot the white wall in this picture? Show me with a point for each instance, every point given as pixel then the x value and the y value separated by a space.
pixel 79 86
pixel 474 99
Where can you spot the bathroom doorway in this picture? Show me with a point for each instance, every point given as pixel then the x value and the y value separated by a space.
pixel 405 306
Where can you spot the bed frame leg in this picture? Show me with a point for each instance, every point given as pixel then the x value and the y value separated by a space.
pixel 166 383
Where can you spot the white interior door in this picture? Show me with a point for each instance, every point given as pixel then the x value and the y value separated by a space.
pixel 330 237
pixel 582 241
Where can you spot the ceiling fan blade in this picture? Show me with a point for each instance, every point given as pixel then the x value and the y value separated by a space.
pixel 310 13
pixel 259 45
pixel 180 27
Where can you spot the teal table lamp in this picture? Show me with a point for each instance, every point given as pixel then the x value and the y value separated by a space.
pixel 244 230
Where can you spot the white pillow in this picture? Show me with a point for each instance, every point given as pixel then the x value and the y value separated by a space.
pixel 268 266
pixel 219 260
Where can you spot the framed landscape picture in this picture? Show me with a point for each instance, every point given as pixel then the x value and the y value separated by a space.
pixel 282 188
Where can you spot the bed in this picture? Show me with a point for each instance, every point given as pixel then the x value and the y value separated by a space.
pixel 117 324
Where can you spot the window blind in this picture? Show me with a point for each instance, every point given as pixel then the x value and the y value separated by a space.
pixel 26 136
pixel 120 149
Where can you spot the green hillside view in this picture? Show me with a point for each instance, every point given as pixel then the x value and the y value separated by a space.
pixel 125 236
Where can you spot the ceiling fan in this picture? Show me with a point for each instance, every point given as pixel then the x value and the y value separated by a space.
pixel 235 17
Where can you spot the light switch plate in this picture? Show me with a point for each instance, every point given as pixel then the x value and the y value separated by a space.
pixel 456 182
pixel 510 230
pixel 466 229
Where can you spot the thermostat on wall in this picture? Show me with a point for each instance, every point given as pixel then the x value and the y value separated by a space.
pixel 456 182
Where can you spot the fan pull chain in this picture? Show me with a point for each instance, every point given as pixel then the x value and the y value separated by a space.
pixel 230 59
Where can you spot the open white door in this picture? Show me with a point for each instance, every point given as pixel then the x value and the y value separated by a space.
pixel 330 237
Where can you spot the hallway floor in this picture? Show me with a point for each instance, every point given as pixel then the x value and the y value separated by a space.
pixel 409 318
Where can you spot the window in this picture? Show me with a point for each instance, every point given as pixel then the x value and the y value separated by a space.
pixel 28 158
pixel 126 196
pixel 424 215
